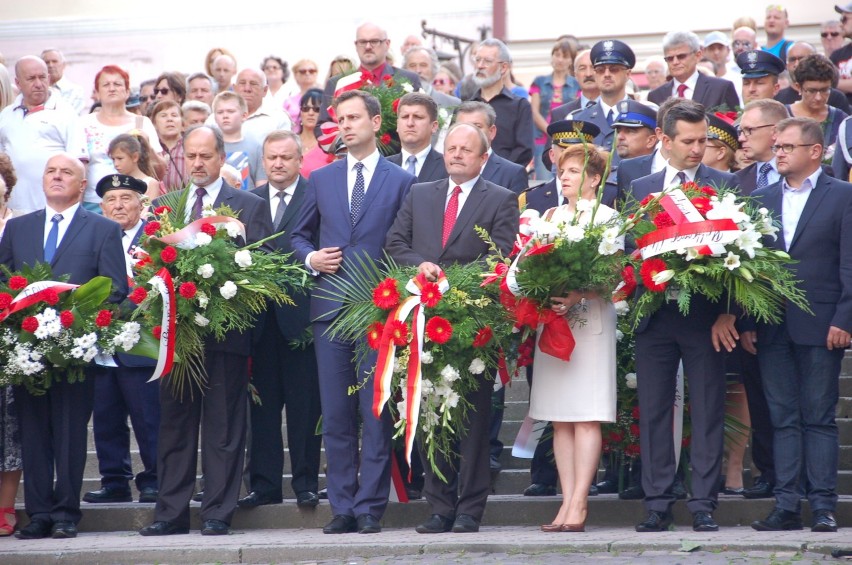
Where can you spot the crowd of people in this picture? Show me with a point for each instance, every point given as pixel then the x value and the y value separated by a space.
pixel 768 120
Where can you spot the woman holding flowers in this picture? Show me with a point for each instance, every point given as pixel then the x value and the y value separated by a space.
pixel 579 394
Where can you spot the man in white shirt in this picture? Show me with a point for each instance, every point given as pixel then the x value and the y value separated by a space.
pixel 72 93
pixel 416 123
pixel 251 85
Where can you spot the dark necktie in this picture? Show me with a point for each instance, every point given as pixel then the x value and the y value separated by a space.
pixel 279 211
pixel 681 177
pixel 763 177
pixel 610 118
pixel 52 238
pixel 589 103
pixel 411 165
pixel 450 215
pixel 681 90
pixel 198 206
pixel 357 193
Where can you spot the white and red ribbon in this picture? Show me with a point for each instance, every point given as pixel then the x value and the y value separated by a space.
pixel 162 282
pixel 184 238
pixel 34 293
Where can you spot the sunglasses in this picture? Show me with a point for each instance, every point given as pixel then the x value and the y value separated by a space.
pixel 680 57
pixel 310 109
pixel 306 71
pixel 827 34
pixel 162 91
pixel 147 98
pixel 441 82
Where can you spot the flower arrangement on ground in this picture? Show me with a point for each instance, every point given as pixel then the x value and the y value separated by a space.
pixel 692 239
pixel 204 283
pixel 53 330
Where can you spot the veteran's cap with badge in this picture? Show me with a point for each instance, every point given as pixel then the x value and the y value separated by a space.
pixel 612 52
pixel 719 128
pixel 633 114
pixel 759 63
pixel 568 132
pixel 120 182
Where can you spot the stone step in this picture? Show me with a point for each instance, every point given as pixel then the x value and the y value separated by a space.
pixel 846 382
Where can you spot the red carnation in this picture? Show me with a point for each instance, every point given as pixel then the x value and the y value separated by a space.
pixel 385 295
pixel 156 331
pixel 430 295
pixel 632 450
pixel 169 254
pixel 29 324
pixel 388 80
pixel 649 269
pixel 187 290
pixel 160 210
pixel 628 274
pixel 616 437
pixel 209 229
pixel 439 330
pixel 634 430
pixel 66 318
pixel 646 200
pixel 374 334
pixel 399 332
pixel 151 228
pixel 103 319
pixel 395 106
pixel 663 220
pixel 51 296
pixel 702 204
pixel 482 337
pixel 5 300
pixel 385 139
pixel 143 262
pixel 138 295
pixel 635 413
pixel 17 282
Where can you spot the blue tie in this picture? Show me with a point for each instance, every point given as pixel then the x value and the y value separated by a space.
pixel 52 238
pixel 412 164
pixel 763 177
pixel 357 193
pixel 609 117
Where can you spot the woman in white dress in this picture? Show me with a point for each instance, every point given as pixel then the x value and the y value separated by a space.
pixel 576 396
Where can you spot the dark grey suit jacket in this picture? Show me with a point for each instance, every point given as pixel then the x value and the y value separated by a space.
pixel 433 166
pixel 709 91
pixel 505 173
pixel 628 171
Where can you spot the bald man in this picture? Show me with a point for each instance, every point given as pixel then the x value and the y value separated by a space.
pixel 261 118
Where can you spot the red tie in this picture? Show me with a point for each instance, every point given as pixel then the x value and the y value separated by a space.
pixel 681 88
pixel 450 215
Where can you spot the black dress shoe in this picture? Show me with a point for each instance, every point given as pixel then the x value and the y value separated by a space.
pixel 655 522
pixel 307 499
pixel 367 524
pixel 162 528
pixel 733 491
pixel 779 520
pixel 148 495
pixel 824 521
pixel 761 489
pixel 632 493
pixel 413 493
pixel 254 499
pixel 108 494
pixel 37 529
pixel 340 524
pixel 215 528
pixel 198 496
pixel 607 486
pixel 465 524
pixel 64 530
pixel 703 522
pixel 540 489
pixel 593 490
pixel 436 524
pixel 323 494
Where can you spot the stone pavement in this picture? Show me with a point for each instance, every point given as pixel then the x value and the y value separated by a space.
pixel 495 544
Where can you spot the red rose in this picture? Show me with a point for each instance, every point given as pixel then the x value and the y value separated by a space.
pixel 187 290
pixel 160 210
pixel 374 334
pixel 388 80
pixel 632 450
pixel 385 295
pixel 151 228
pixel 430 295
pixel 635 413
pixel 399 332
pixel 616 437
pixel 103 319
pixel 66 318
pixel 5 300
pixel 169 254
pixel 156 331
pixel 17 282
pixel 634 430
pixel 482 337
pixel 395 106
pixel 439 329
pixel 29 324
pixel 51 296
pixel 209 229
pixel 663 220
pixel 138 295
pixel 650 268
pixel 646 200
pixel 385 139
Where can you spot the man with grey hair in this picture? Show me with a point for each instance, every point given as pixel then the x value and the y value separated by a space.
pixel 424 62
pixel 789 95
pixel 202 87
pixel 261 118
pixel 682 52
pixel 224 68
pixel 514 138
pixel 194 112
pixel 831 34
pixel 70 92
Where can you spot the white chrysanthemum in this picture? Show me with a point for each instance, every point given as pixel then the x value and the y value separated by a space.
pixel 543 228
pixel 450 373
pixel 748 241
pixel 200 320
pixel 48 315
pixel 477 366
pixel 90 354
pixel 619 335
pixel 86 341
pixel 574 233
pixel 663 276
pixel 451 400
pixel 207 212
pixel 77 352
pixel 203 299
pixel 202 238
pixel 406 86
pixel 622 307
pixel 233 229
pixel 630 380
pixel 426 388
pixel 243 258
pixel 228 290
pixel 206 270
pixel 732 261
pixel 426 358
pixel 402 407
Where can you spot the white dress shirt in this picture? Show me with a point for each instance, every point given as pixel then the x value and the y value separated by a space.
pixel 126 239
pixel 690 86
pixel 67 216
pixel 274 201
pixel 420 159
pixel 793 202
pixel 212 194
pixel 671 175
pixel 466 187
pixel 370 163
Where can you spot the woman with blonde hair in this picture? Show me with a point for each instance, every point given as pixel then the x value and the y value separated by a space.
pixel 306 73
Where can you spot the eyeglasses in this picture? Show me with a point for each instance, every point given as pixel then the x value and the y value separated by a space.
pixel 746 132
pixel 307 108
pixel 815 91
pixel 370 42
pixel 441 82
pixel 162 91
pixel 680 57
pixel 788 148
pixel 827 34
pixel 271 68
pixel 306 72
pixel 147 98
pixel 483 61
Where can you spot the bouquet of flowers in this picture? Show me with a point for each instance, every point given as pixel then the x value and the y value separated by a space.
pixel 203 284
pixel 693 239
pixel 52 330
pixel 436 342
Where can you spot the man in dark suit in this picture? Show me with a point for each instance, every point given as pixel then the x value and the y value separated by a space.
pixel 497 169
pixel 220 408
pixel 666 337
pixel 349 206
pixel 416 123
pixel 683 51
pixel 757 135
pixel 441 232
pixel 122 389
pixel 800 357
pixel 83 245
pixel 284 374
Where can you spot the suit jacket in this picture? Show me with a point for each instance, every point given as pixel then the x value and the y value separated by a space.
pixel 747 179
pixel 325 213
pixel 644 186
pixel 559 113
pixel 91 247
pixel 709 91
pixel 416 237
pixel 124 359
pixel 630 170
pixel 433 166
pixel 543 197
pixel 443 100
pixel 822 247
pixel 505 173
pixel 331 86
